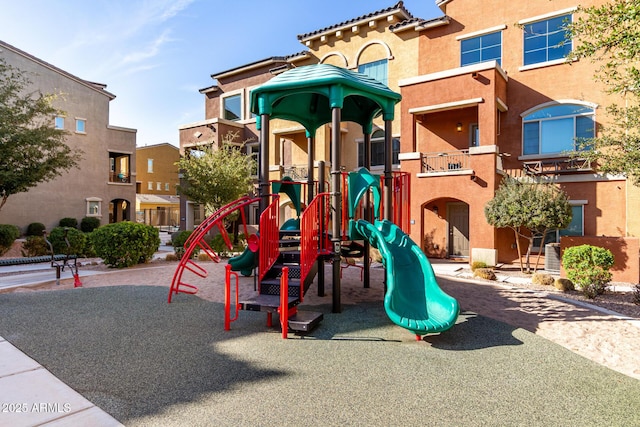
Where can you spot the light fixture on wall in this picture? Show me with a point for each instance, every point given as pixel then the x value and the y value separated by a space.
pixel 435 210
pixel 459 127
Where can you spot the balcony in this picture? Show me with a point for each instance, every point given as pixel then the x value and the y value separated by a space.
pixel 446 163
pixel 119 177
pixel 556 166
pixel 119 167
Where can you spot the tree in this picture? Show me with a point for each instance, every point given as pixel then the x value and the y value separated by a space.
pixel 530 209
pixel 216 176
pixel 31 149
pixel 608 35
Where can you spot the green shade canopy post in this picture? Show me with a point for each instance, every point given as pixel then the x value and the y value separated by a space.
pixel 316 95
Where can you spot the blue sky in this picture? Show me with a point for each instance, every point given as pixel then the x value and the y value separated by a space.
pixel 154 55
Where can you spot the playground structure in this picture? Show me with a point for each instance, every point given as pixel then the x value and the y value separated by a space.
pixel 289 256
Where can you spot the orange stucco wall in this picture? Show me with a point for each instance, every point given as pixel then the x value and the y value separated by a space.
pixel 626 253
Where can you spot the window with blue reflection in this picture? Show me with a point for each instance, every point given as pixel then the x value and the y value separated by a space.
pixel 557 129
pixel 487 47
pixel 547 40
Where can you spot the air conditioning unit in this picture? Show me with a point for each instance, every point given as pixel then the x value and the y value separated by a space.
pixel 552 257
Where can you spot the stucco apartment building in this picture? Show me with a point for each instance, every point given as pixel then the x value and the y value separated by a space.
pixel 103 184
pixel 486 93
pixel 495 96
pixel 157 201
pixel 378 43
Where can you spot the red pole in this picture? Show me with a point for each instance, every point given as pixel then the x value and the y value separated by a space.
pixel 284 302
pixel 227 298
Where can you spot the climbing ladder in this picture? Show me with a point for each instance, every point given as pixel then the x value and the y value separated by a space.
pixel 196 241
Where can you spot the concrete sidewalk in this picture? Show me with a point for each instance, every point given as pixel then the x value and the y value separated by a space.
pixel 31 396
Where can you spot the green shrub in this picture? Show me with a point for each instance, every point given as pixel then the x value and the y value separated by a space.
pixel 88 250
pixel 68 222
pixel 35 246
pixel 220 247
pixel 203 256
pixel 35 229
pixel 588 267
pixel 563 285
pixel 484 273
pixel 8 234
pixel 542 279
pixel 177 241
pixel 89 223
pixel 124 244
pixel 478 264
pixel 76 238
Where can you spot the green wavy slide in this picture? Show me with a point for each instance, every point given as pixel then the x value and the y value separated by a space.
pixel 413 299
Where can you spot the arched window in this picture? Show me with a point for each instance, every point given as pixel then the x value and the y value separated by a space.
pixel 377 70
pixel 557 129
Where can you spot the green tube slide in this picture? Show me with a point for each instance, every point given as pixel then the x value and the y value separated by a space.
pixel 413 299
pixel 245 262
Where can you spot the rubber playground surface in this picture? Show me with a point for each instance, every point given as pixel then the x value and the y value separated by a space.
pixel 147 362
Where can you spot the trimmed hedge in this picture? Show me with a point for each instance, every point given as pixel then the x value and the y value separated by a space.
pixel 588 267
pixel 8 234
pixel 89 223
pixel 77 240
pixel 35 229
pixel 68 222
pixel 124 244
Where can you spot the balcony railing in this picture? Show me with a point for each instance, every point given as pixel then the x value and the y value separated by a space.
pixel 296 172
pixel 445 162
pixel 119 177
pixel 557 166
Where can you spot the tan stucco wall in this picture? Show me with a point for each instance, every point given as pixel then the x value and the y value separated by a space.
pixel 66 195
pixel 164 171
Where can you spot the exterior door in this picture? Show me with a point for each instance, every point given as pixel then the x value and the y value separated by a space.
pixel 458 218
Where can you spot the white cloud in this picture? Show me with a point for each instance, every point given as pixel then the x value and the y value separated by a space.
pixel 149 51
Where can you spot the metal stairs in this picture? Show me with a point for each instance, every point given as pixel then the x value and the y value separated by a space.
pixel 268 297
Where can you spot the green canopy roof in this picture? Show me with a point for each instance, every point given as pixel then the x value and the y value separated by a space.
pixel 307 94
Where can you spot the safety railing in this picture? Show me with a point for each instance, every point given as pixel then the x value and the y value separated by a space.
pixel 284 302
pixel 269 236
pixel 119 177
pixel 400 199
pixel 557 166
pixel 445 162
pixel 227 297
pixel 314 223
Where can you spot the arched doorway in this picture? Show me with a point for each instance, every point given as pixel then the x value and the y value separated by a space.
pixel 119 210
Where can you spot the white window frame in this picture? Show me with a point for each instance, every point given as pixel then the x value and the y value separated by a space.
pixel 539 18
pixel 542 107
pixel 84 125
pixel 231 94
pixel 96 203
pixel 158 186
pixel 149 165
pixel 55 122
pixel 167 187
pixel 150 185
pixel 496 29
pixel 556 232
pixel 247 114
